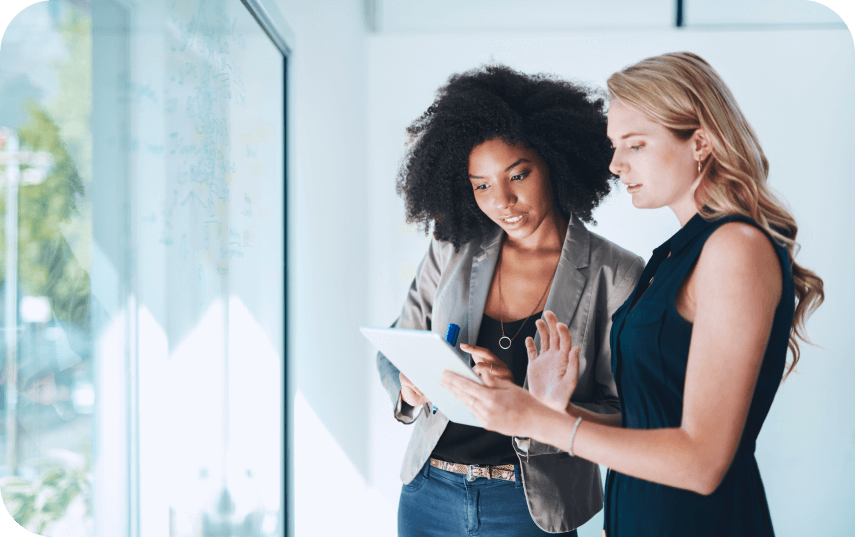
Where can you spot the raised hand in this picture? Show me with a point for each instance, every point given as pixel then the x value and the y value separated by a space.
pixel 552 375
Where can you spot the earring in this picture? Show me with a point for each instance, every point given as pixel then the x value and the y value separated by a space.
pixel 699 167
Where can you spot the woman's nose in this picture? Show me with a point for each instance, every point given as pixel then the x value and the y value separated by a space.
pixel 616 166
pixel 505 198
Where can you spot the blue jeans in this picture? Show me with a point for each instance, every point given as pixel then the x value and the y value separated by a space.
pixel 438 503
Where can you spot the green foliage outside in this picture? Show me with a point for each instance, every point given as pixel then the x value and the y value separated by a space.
pixel 46 264
pixel 54 253
pixel 35 505
pixel 54 234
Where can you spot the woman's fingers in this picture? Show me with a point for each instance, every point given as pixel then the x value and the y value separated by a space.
pixel 530 349
pixel 574 359
pixel 559 334
pixel 412 396
pixel 485 370
pixel 572 372
pixel 469 391
pixel 553 334
pixel 482 371
pixel 405 382
pixel 410 393
pixel 460 387
pixel 480 354
pixel 543 331
pixel 552 325
pixel 487 361
pixel 565 339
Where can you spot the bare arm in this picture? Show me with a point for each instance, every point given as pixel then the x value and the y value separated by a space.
pixel 738 288
pixel 609 420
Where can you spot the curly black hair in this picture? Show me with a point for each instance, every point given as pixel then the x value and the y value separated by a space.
pixel 563 121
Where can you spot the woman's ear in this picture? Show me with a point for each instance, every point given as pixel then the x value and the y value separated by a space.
pixel 701 144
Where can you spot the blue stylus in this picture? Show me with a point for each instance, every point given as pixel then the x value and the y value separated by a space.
pixel 451 335
pixel 451 338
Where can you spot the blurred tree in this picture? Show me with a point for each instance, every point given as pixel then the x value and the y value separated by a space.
pixel 46 264
pixel 37 504
pixel 54 235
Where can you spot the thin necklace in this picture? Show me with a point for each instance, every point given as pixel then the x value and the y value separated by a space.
pixel 501 304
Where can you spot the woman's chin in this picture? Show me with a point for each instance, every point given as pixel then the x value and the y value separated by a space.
pixel 640 203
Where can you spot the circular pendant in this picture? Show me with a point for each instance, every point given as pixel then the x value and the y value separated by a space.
pixel 502 343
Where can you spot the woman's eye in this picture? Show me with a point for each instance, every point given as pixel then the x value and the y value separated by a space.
pixel 519 176
pixel 480 187
pixel 636 147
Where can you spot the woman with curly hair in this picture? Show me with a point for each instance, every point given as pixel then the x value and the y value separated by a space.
pixel 699 348
pixel 505 167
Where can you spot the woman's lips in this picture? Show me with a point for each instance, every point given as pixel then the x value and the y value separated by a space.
pixel 513 221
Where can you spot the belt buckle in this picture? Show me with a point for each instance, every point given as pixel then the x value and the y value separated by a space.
pixel 469 476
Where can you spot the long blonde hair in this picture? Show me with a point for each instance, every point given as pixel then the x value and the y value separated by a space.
pixel 683 92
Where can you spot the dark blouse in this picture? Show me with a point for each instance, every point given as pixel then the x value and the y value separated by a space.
pixel 650 350
pixel 465 444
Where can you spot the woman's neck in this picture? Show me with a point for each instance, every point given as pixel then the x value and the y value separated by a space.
pixel 548 237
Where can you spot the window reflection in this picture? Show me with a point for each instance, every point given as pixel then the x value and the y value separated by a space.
pixel 46 388
pixel 141 373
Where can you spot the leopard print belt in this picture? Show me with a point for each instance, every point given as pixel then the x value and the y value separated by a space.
pixel 506 471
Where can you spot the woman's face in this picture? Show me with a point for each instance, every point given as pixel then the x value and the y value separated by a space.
pixel 659 169
pixel 511 186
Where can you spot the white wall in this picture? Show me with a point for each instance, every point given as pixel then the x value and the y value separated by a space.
pixel 327 232
pixel 796 88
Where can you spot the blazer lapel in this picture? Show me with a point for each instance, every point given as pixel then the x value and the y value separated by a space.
pixel 563 299
pixel 480 279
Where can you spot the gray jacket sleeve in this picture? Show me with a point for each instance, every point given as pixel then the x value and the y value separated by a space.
pixel 415 315
pixel 606 398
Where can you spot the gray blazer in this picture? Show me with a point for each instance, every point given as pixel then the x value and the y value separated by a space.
pixel 593 278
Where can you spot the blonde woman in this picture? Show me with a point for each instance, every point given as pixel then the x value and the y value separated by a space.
pixel 699 347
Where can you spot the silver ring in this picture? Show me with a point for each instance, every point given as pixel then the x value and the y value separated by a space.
pixel 471 402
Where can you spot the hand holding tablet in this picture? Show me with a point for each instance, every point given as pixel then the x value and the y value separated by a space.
pixel 421 356
pixel 410 393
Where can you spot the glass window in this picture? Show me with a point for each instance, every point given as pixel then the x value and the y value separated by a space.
pixel 142 194
pixel 47 393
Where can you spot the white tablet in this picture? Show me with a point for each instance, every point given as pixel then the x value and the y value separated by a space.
pixel 422 356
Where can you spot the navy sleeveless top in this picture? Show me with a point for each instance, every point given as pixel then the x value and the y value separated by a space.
pixel 650 349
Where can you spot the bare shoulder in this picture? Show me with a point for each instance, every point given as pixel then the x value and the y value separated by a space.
pixel 740 242
pixel 739 255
